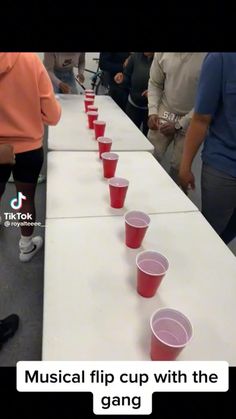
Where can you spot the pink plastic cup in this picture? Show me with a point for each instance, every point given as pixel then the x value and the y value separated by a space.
pixel 88 101
pixel 109 161
pixel 99 128
pixel 92 116
pixel 118 189
pixel 171 332
pixel 151 269
pixel 104 145
pixel 136 225
pixel 92 108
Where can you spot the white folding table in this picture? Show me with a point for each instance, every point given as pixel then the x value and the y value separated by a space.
pixel 76 187
pixel 72 132
pixel 92 310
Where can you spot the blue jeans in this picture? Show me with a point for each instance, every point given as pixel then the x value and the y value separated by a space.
pixel 219 201
pixel 66 76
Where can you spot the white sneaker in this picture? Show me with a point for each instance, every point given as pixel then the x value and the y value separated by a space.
pixel 11 180
pixel 26 256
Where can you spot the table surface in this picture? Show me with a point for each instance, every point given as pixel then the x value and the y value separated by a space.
pixel 76 187
pixel 92 310
pixel 72 133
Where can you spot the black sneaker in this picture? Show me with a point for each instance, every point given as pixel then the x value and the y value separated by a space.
pixel 8 327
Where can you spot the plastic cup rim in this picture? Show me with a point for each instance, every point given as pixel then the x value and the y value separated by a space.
pixel 104 142
pixel 118 186
pixel 110 152
pixel 147 273
pixel 92 113
pixel 98 121
pixel 176 311
pixel 127 212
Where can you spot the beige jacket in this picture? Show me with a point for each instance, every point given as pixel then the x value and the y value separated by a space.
pixel 173 83
pixel 63 61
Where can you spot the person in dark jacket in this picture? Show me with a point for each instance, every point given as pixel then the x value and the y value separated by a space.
pixel 135 77
pixel 112 63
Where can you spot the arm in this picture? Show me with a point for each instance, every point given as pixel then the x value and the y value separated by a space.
pixel 207 101
pixel 155 85
pixel 106 64
pixel 50 108
pixel 81 63
pixel 128 70
pixel 195 136
pixel 49 62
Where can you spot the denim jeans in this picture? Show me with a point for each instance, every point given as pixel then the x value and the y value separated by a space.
pixel 66 76
pixel 219 201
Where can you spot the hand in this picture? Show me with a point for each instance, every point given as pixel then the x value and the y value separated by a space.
pixel 119 78
pixel 153 122
pixel 186 179
pixel 145 93
pixel 167 128
pixel 65 88
pixel 6 154
pixel 81 78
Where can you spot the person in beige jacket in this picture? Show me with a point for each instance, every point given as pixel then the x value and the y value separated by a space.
pixel 171 94
pixel 60 70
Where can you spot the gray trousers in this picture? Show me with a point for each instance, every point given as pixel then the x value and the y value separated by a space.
pixel 219 201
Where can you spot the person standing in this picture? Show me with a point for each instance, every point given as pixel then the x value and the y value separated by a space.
pixel 60 67
pixel 112 63
pixel 135 77
pixel 171 94
pixel 214 124
pixel 27 103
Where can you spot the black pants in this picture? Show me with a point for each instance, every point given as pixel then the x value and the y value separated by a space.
pixel 25 173
pixel 138 116
pixel 119 95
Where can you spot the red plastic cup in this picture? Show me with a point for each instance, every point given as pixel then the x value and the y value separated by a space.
pixel 99 128
pixel 92 108
pixel 92 116
pixel 88 101
pixel 171 332
pixel 136 225
pixel 88 91
pixel 109 161
pixel 151 269
pixel 90 95
pixel 118 189
pixel 104 145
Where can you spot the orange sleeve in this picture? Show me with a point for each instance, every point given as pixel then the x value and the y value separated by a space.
pixel 50 108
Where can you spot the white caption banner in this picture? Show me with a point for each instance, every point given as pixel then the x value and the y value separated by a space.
pixel 122 387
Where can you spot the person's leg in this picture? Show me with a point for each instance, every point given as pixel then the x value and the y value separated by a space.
pixel 119 95
pixel 176 156
pixel 160 143
pixel 134 114
pixel 144 113
pixel 69 78
pixel 25 173
pixel 8 327
pixel 230 231
pixel 218 199
pixel 5 172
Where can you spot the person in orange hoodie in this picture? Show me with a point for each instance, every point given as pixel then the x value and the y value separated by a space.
pixel 27 103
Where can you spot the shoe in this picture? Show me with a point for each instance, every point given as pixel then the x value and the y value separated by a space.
pixel 8 327
pixel 41 178
pixel 11 180
pixel 26 256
